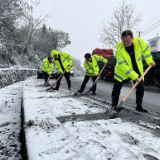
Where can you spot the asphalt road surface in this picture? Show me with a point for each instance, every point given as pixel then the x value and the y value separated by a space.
pixel 151 102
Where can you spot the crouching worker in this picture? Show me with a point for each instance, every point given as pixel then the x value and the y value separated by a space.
pixel 62 62
pixel 92 70
pixel 47 68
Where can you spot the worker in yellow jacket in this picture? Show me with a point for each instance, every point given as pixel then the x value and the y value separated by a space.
pixel 62 60
pixel 47 67
pixel 129 64
pixel 92 70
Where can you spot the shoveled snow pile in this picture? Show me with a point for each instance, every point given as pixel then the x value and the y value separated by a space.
pixel 48 139
pixel 10 122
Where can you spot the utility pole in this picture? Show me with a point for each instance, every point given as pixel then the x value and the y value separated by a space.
pixel 139 32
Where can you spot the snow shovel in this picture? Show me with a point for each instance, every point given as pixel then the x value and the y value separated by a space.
pixel 119 107
pixel 96 79
pixel 57 79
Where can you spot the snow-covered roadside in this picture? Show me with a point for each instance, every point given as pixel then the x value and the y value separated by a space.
pixel 48 139
pixel 10 122
pixel 9 76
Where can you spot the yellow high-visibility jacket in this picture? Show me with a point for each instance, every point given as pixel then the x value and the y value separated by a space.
pixel 124 68
pixel 47 67
pixel 65 59
pixel 92 68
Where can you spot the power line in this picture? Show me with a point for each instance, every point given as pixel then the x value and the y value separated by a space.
pixel 150 22
pixel 152 26
pixel 151 29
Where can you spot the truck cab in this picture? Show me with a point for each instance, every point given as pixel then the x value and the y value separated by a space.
pixel 108 72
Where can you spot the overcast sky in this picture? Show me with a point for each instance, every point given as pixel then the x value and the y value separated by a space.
pixel 82 19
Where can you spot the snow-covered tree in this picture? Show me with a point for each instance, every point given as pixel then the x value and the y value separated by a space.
pixel 23 39
pixel 46 40
pixel 10 13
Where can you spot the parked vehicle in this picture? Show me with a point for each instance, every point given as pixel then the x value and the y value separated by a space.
pixel 72 73
pixel 40 74
pixel 153 76
pixel 108 72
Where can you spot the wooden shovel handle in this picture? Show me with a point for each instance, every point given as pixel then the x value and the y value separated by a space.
pixel 137 83
pixel 50 75
pixel 100 73
pixel 61 75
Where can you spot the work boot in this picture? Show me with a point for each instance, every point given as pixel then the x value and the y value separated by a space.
pixel 55 88
pixel 46 84
pixel 114 108
pixel 139 105
pixel 94 93
pixel 114 103
pixel 79 91
pixel 140 109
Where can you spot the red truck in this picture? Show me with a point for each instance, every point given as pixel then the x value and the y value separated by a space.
pixel 108 72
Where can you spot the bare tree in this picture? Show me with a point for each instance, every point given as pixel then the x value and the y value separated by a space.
pixel 124 17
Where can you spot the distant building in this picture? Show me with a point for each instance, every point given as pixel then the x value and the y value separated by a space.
pixel 154 44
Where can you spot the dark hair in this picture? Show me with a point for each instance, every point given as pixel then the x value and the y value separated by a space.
pixel 49 58
pixel 127 33
pixel 87 55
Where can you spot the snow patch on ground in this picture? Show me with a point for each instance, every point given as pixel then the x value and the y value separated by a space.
pixel 10 122
pixel 148 125
pixel 47 138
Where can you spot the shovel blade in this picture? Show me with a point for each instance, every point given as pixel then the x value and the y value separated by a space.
pixel 120 105
pixel 50 87
pixel 89 90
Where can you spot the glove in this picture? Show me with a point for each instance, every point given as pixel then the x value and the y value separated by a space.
pixel 61 71
pixel 69 64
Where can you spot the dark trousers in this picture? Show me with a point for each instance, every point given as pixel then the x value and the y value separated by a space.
pixel 117 89
pixel 46 76
pixel 86 79
pixel 67 76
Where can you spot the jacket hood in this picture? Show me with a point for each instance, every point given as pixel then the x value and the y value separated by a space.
pixel 53 52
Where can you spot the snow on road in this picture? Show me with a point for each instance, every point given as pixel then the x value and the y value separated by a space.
pixel 48 139
pixel 10 122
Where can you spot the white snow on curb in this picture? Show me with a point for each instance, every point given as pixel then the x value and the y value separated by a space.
pixel 48 139
pixel 10 123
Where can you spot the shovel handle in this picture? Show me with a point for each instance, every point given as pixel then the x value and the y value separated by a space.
pixel 97 78
pixel 99 74
pixel 57 79
pixel 137 83
pixel 50 75
pixel 61 75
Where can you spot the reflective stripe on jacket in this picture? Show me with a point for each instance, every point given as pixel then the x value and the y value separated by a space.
pixel 65 60
pixel 47 67
pixel 124 68
pixel 92 68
